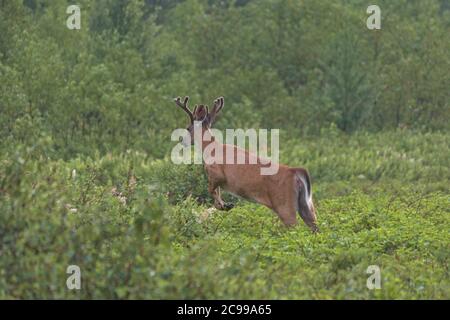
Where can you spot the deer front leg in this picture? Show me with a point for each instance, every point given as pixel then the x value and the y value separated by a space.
pixel 214 190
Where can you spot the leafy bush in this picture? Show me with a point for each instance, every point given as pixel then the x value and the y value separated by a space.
pixel 85 123
pixel 111 215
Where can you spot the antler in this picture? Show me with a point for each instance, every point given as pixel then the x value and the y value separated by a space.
pixel 218 105
pixel 185 107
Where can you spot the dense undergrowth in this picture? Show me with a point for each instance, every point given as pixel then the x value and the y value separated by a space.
pixel 143 228
pixel 85 122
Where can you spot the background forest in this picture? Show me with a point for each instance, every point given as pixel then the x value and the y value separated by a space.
pixel 85 123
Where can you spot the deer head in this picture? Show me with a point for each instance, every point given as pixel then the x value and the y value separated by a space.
pixel 200 117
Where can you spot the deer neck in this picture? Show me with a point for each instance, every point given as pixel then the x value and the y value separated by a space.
pixel 206 142
pixel 209 146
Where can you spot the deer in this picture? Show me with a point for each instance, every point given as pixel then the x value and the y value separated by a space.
pixel 287 192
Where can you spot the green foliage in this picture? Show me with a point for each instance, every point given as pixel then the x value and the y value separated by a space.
pixel 111 83
pixel 85 123
pixel 403 156
pixel 110 215
pixel 179 182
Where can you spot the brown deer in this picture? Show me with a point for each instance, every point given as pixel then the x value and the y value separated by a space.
pixel 286 192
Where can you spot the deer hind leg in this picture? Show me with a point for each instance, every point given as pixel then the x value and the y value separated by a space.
pixel 214 190
pixel 287 214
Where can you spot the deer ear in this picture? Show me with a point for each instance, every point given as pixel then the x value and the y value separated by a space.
pixel 201 112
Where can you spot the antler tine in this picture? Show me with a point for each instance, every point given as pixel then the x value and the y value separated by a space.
pixel 185 107
pixel 218 104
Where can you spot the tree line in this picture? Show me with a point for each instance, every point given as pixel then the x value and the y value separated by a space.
pixel 302 66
